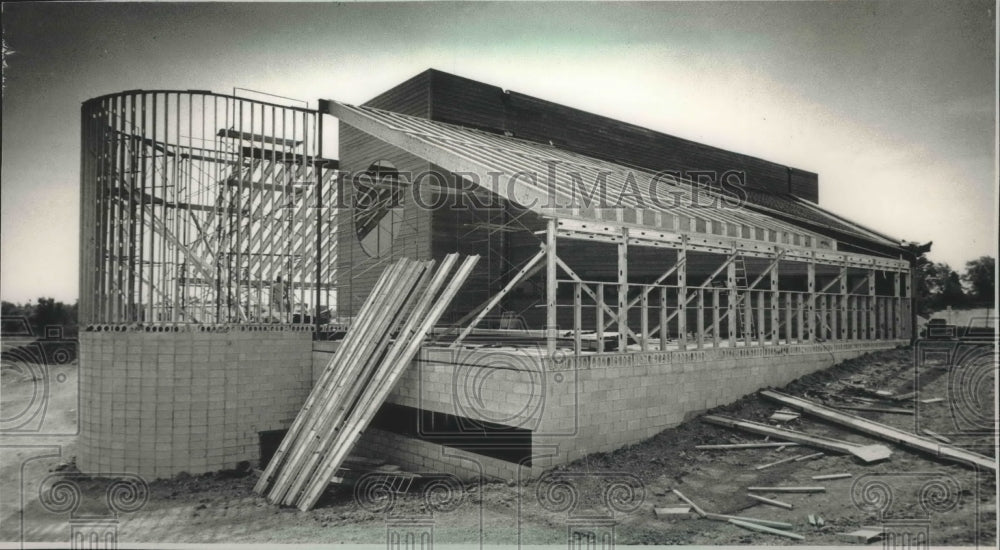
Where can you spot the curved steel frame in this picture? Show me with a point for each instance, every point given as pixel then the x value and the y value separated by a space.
pixel 193 204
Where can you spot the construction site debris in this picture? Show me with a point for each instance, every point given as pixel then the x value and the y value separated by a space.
pixel 785 415
pixel 765 529
pixel 890 410
pixel 668 512
pixel 782 461
pixel 863 535
pixel 772 502
pixel 882 431
pixel 808 457
pixel 816 520
pixel 787 489
pixel 734 446
pixel 828 477
pixel 936 435
pixel 758 521
pixel 688 501
pixel 867 453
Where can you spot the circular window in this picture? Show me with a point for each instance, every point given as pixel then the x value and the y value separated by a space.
pixel 378 208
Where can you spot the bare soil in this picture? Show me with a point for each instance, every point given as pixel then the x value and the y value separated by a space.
pixel 221 507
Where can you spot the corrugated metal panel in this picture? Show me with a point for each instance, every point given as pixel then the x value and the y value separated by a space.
pixel 509 156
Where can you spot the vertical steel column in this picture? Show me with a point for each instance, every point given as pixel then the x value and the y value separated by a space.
pixel 663 318
pixel 811 308
pixel 872 329
pixel 599 327
pixel 731 300
pixel 83 310
pixel 761 328
pixel 788 318
pixel 896 293
pixel 775 323
pixel 715 317
pixel 577 318
pixel 909 283
pixel 681 295
pixel 623 291
pixel 700 319
pixel 550 287
pixel 319 165
pixel 843 303
pixel 644 318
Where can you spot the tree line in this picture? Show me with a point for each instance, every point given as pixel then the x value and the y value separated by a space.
pixel 44 312
pixel 939 286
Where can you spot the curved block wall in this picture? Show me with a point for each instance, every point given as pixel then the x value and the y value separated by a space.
pixel 159 403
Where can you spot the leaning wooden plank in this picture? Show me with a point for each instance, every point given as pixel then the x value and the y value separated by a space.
pixel 397 360
pixel 867 453
pixel 930 400
pixel 722 447
pixel 688 501
pixel 787 489
pixel 772 502
pixel 826 477
pixel 758 521
pixel 342 353
pixel 351 386
pixel 782 461
pixel 346 382
pixel 356 348
pixel 765 529
pixel 342 409
pixel 341 403
pixel 423 317
pixel 888 433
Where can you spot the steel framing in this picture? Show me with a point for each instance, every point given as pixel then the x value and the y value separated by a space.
pixel 194 203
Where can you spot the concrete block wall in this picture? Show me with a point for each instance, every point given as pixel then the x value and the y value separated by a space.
pixel 618 404
pixel 159 403
pixel 594 403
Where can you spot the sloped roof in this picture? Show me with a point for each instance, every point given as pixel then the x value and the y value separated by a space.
pixel 516 159
pixel 520 170
pixel 799 211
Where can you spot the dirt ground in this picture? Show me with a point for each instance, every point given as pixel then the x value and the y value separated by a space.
pixel 953 503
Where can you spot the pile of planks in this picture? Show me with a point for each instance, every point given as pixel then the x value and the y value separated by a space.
pixel 408 300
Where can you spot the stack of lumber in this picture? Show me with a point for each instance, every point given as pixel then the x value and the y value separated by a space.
pixel 407 301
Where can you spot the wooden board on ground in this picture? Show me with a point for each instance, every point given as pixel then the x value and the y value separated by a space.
pixel 885 432
pixel 867 453
pixel 863 535
pixel 672 512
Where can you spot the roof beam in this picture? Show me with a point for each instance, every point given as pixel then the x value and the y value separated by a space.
pixel 641 236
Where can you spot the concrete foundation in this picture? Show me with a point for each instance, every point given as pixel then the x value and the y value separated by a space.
pixel 159 403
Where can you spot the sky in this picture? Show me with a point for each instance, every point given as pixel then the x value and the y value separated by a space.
pixel 893 104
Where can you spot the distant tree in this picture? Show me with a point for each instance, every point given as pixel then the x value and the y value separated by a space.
pixel 981 276
pixel 938 286
pixel 10 309
pixel 44 313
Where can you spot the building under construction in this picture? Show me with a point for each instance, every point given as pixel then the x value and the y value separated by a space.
pixel 626 278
